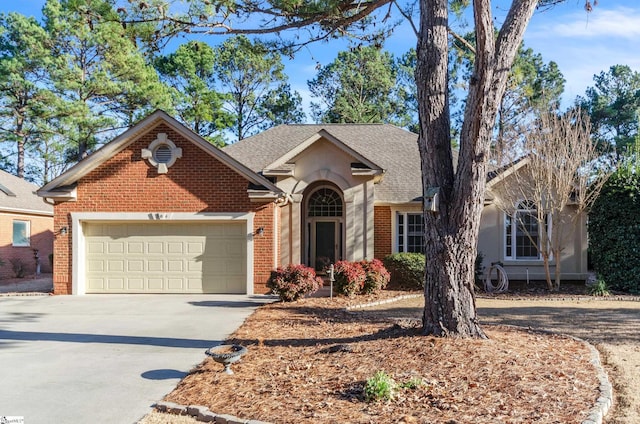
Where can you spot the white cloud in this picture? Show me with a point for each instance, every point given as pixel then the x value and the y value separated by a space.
pixel 621 22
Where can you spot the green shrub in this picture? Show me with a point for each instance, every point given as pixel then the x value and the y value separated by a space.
pixel 377 276
pixel 293 282
pixel 379 387
pixel 599 288
pixel 412 384
pixel 349 278
pixel 614 231
pixel 406 269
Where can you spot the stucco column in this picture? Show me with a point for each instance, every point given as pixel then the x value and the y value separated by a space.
pixel 295 232
pixel 351 221
pixel 368 218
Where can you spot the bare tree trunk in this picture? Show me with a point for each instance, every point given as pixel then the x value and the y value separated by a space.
pixel 451 235
pixel 547 270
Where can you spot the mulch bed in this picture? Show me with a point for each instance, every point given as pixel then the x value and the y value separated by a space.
pixel 309 360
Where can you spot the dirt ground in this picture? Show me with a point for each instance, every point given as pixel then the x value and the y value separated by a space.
pixel 611 325
pixel 292 372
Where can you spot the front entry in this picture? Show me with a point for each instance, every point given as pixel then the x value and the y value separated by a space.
pixel 324 228
pixel 325 246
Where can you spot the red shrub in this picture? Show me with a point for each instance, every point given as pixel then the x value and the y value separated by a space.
pixel 293 282
pixel 349 278
pixel 377 276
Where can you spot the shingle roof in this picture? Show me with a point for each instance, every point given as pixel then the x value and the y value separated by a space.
pixel 18 195
pixel 390 147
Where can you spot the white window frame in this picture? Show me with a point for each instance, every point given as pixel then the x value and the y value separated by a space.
pixel 405 233
pixel 514 228
pixel 27 237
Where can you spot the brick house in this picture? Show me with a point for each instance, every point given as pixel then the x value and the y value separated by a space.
pixel 160 210
pixel 26 228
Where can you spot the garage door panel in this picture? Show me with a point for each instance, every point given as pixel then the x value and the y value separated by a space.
pixel 175 284
pixel 95 284
pixel 135 247
pixel 115 284
pixel 155 247
pixel 155 284
pixel 95 266
pixel 135 265
pixel 161 257
pixel 155 265
pixel 136 284
pixel 195 248
pixel 175 266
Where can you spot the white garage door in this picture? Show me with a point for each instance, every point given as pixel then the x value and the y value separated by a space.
pixel 166 257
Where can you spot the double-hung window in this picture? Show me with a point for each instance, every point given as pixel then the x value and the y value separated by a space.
pixel 522 233
pixel 410 232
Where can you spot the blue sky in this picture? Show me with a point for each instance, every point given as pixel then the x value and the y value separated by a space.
pixel 582 44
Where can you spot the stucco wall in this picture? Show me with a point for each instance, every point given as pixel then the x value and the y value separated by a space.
pixel 197 182
pixel 324 162
pixel 491 244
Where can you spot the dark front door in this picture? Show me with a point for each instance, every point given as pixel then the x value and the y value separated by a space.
pixel 325 244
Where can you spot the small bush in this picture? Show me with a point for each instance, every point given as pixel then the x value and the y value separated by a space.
pixel 599 288
pixel 377 276
pixel 406 269
pixel 293 282
pixel 18 268
pixel 412 384
pixel 379 387
pixel 349 278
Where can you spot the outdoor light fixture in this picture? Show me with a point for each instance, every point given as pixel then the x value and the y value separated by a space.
pixel 260 231
pixel 63 230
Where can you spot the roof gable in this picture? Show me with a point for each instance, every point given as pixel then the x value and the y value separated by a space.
pixel 384 146
pixel 282 165
pixel 63 186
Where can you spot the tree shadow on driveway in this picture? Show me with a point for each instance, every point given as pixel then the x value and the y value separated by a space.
pixel 6 335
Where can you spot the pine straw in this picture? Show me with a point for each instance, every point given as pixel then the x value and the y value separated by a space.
pixel 289 374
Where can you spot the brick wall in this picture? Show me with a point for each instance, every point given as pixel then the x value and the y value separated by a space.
pixel 41 238
pixel 382 231
pixel 197 182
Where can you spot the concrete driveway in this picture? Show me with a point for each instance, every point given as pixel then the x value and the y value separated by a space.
pixel 105 358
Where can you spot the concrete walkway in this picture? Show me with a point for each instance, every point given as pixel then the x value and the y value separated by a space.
pixel 105 358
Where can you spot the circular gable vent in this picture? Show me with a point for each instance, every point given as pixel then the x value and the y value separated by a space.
pixel 162 153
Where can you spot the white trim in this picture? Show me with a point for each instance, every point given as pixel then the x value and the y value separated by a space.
pixel 78 238
pixel 17 211
pixel 546 226
pixel 147 124
pixel 394 223
pixel 323 134
pixel 27 233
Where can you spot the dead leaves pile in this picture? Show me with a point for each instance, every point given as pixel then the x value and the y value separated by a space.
pixel 309 360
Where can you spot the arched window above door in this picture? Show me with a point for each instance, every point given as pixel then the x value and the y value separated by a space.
pixel 324 202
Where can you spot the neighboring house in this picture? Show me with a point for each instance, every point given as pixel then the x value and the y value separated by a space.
pixel 26 228
pixel 160 210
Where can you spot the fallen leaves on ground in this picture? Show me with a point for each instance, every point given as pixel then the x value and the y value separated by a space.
pixel 308 361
